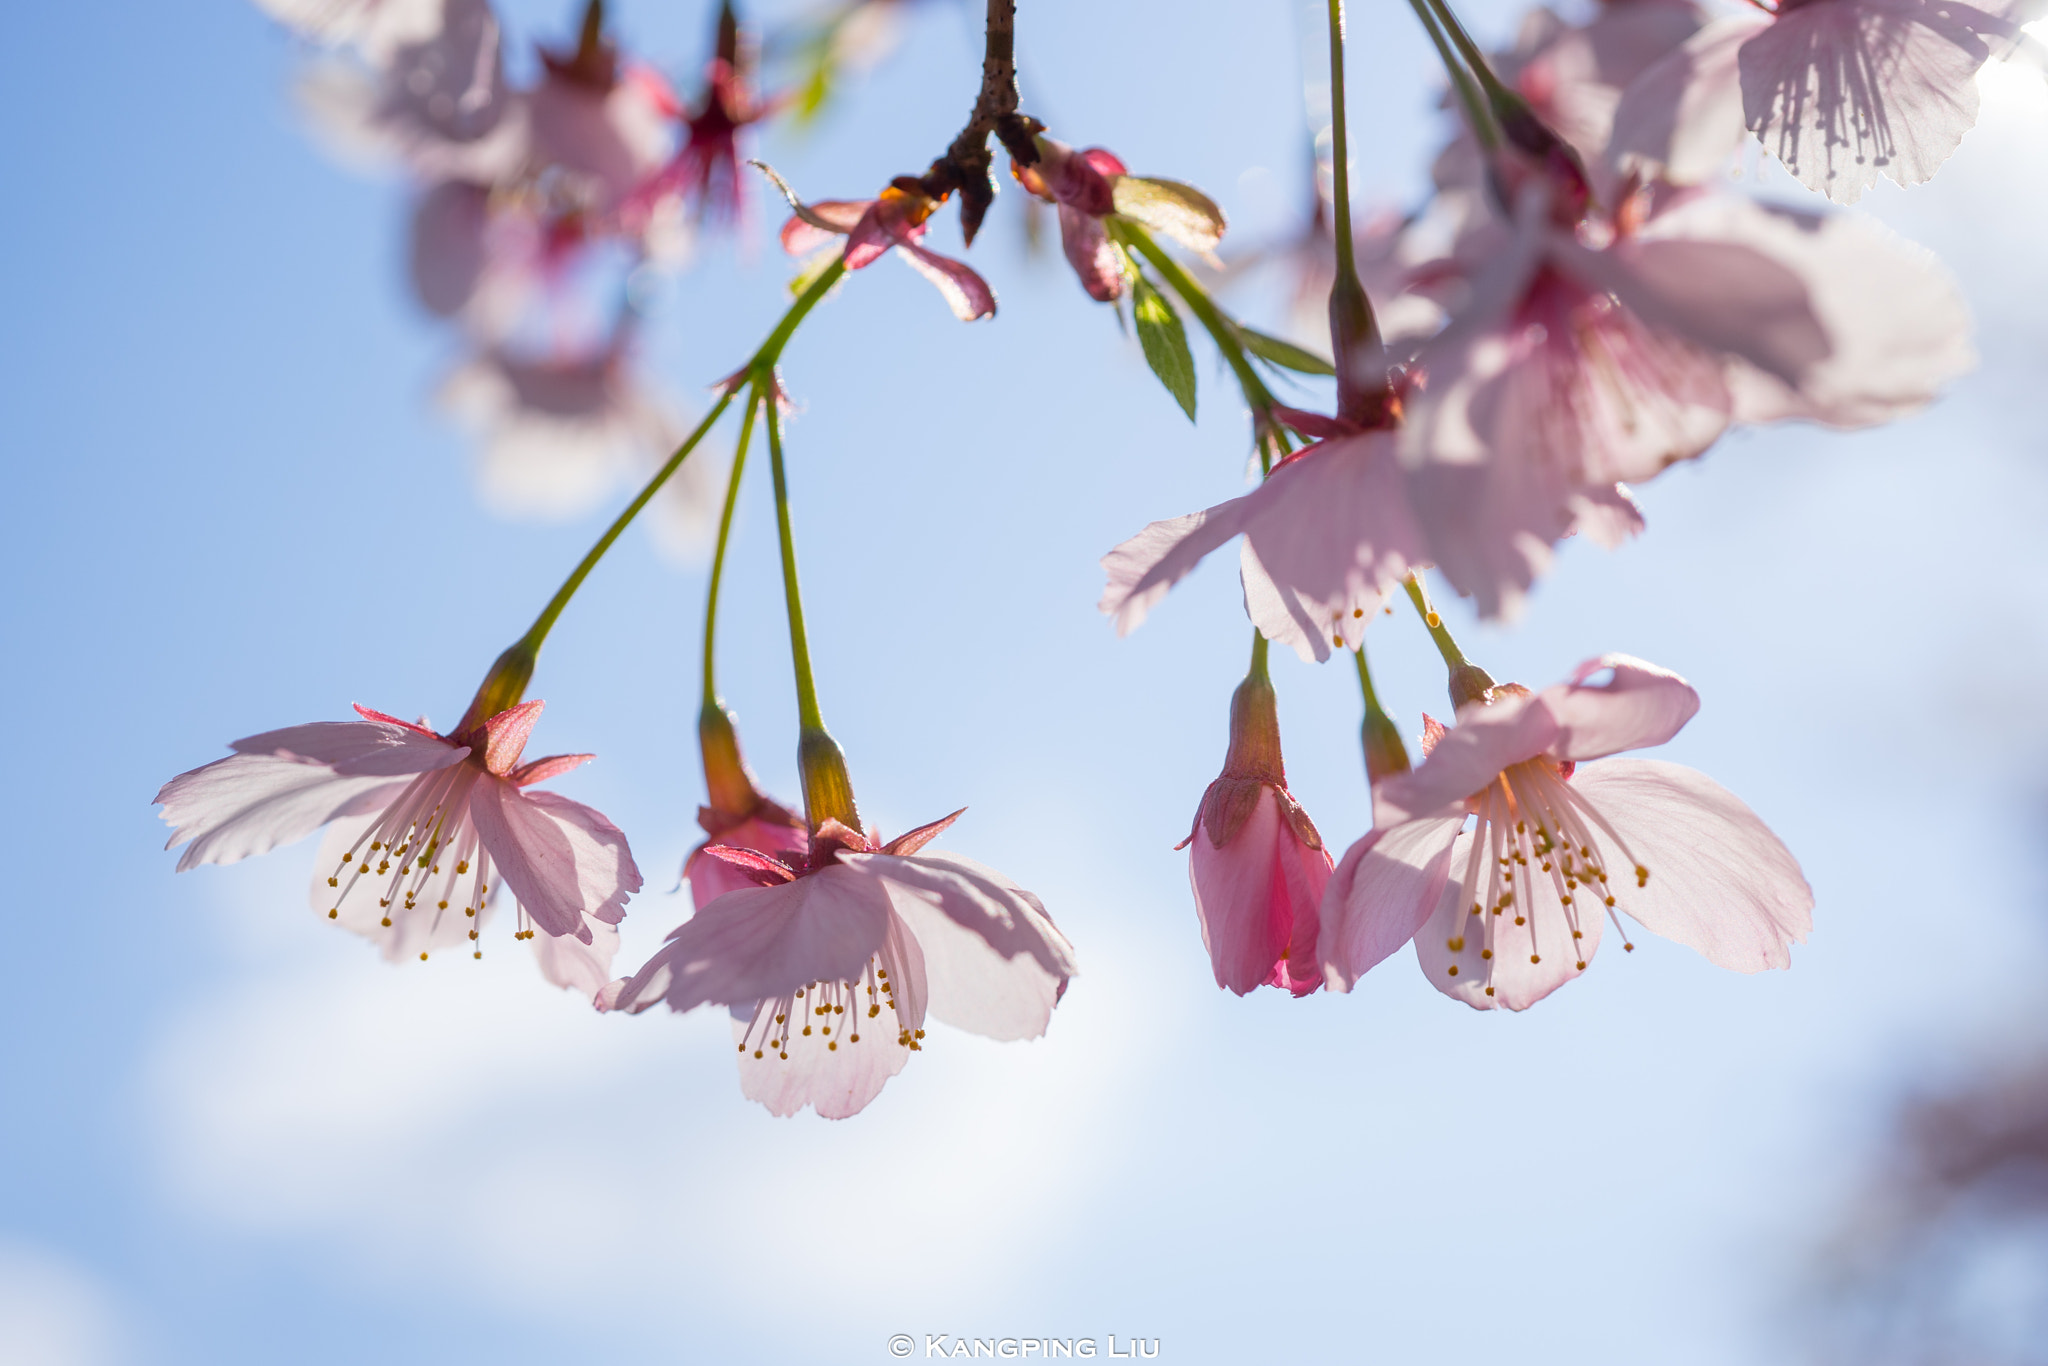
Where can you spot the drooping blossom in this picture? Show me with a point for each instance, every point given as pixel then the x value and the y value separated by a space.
pixel 430 96
pixel 1841 91
pixel 705 170
pixel 832 961
pixel 426 829
pixel 1326 537
pixel 1090 187
pixel 872 226
pixel 1505 913
pixel 1596 349
pixel 1255 860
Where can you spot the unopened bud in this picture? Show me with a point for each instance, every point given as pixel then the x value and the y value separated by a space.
pixel 828 790
pixel 727 780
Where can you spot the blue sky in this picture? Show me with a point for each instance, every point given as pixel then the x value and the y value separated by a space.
pixel 234 1134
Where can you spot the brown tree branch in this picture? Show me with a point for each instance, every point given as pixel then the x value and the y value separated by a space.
pixel 966 165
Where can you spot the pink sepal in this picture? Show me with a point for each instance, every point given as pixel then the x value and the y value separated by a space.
pixel 369 715
pixel 913 840
pixel 1433 731
pixel 553 766
pixel 814 225
pixel 505 736
pixel 965 292
pixel 757 867
pixel 1314 425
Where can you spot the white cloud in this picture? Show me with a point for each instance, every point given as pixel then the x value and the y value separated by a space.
pixel 53 1313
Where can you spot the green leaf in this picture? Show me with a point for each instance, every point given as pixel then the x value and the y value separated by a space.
pixel 1286 355
pixel 1165 342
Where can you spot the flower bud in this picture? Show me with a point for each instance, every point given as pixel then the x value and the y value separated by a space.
pixel 501 690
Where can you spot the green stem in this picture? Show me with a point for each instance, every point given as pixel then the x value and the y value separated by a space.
pixel 1445 646
pixel 1475 59
pixel 1340 145
pixel 1468 682
pixel 1469 97
pixel 763 362
pixel 799 643
pixel 732 497
pixel 1258 669
pixel 828 790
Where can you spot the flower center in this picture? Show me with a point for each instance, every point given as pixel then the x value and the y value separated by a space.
pixel 820 1015
pixel 420 859
pixel 1534 841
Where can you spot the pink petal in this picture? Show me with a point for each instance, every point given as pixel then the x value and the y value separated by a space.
pixel 1096 259
pixel 1643 705
pixel 1608 515
pixel 1890 351
pixel 1517 982
pixel 1381 894
pixel 762 943
pixel 1102 161
pixel 1181 212
pixel 448 245
pixel 506 735
pixel 1682 117
pixel 1251 893
pixel 913 840
pixel 1721 296
pixel 553 766
pixel 1329 533
pixel 563 860
pixel 357 904
pixel 711 876
pixel 381 748
pixel 993 962
pixel 573 965
pixel 837 1083
pixel 249 804
pixel 1468 758
pixel 815 225
pixel 965 292
pixel 1719 881
pixel 1843 91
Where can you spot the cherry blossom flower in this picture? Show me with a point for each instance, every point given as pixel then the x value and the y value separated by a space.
pixel 434 100
pixel 1092 186
pixel 1840 91
pixel 373 27
pixel 1597 351
pixel 1505 913
pixel 1326 537
pixel 1256 862
pixel 831 962
pixel 600 124
pixel 424 829
pixel 705 169
pixel 872 226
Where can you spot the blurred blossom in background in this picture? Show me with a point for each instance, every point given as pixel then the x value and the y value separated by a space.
pixel 283 436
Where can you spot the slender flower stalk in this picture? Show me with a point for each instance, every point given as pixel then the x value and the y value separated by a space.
pixel 505 685
pixel 1363 395
pixel 1469 97
pixel 828 790
pixel 1469 682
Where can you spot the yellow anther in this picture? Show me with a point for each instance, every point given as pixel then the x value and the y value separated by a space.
pixel 423 958
pixel 1455 945
pixel 1454 969
pixel 335 914
pixel 333 882
pixel 1582 965
pixel 1535 958
pixel 387 924
pixel 1486 953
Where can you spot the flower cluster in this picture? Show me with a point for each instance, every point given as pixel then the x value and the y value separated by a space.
pixel 1582 302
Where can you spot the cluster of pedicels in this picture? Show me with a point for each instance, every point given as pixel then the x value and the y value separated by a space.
pixel 1580 304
